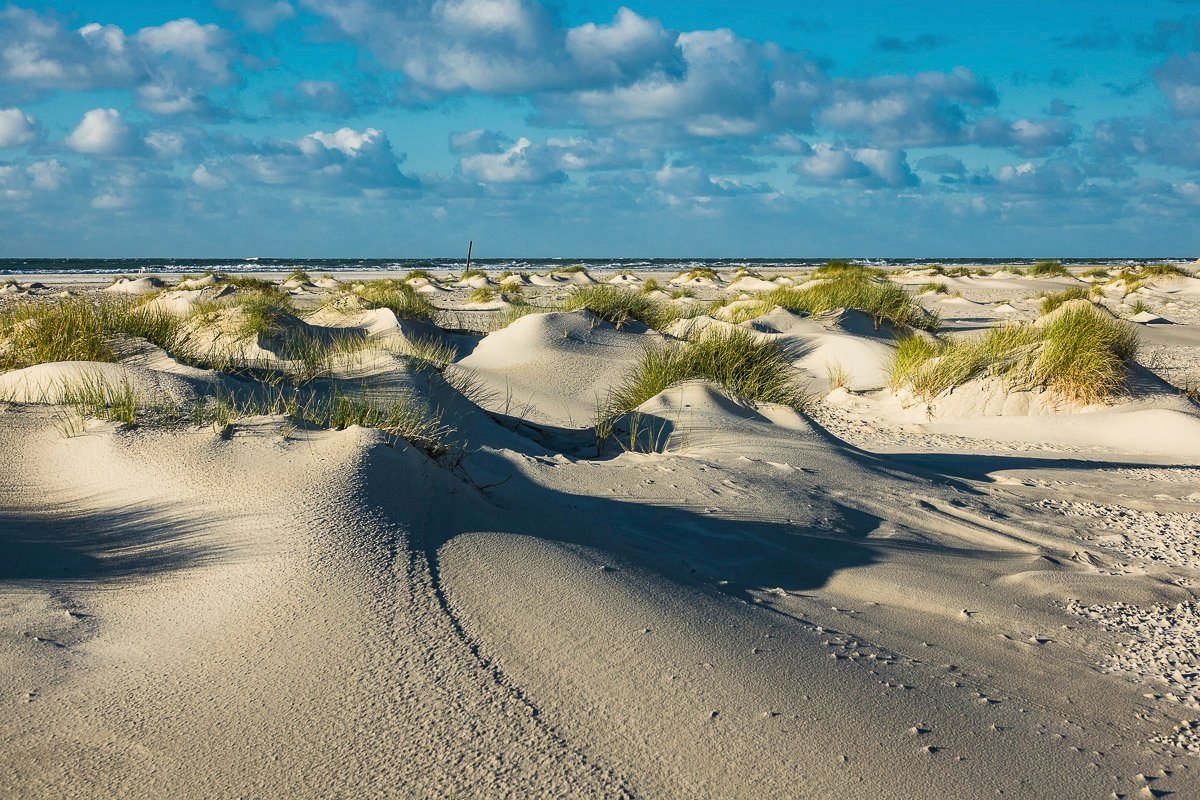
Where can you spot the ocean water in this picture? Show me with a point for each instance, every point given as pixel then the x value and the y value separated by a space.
pixel 119 266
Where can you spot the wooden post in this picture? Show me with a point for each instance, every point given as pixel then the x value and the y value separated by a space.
pixel 470 246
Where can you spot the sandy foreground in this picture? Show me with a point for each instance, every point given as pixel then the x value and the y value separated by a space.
pixel 878 598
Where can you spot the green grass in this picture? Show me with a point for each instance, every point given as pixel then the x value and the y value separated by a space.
pixel 77 329
pixel 1047 269
pixel 404 416
pixel 574 269
pixel 403 300
pixel 419 273
pixel 651 285
pixel 1164 270
pixel 1082 356
pixel 1140 307
pixel 472 273
pixel 95 397
pixel 619 305
pixel 484 294
pixel 1095 272
pixel 882 300
pixel 934 287
pixel 298 275
pixel 1052 300
pixel 751 368
pixel 698 272
pixel 841 268
pixel 679 294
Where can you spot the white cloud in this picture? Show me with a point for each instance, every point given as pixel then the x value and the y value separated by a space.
pixel 865 166
pixel 47 175
pixel 101 132
pixel 206 180
pixel 1179 81
pixel 171 66
pixel 623 49
pixel 345 161
pixel 16 128
pixel 346 140
pixel 521 163
pixel 497 46
pixel 260 15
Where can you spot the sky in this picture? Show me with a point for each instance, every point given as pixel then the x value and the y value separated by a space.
pixel 398 128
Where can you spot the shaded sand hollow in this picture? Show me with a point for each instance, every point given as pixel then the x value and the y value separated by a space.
pixel 875 598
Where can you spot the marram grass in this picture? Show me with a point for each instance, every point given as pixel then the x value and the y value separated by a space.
pixel 882 300
pixel 618 305
pixel 77 329
pixel 743 364
pixel 1082 356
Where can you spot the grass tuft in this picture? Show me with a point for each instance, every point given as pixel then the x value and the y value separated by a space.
pixel 77 329
pixel 882 300
pixel 1047 269
pixel 1052 300
pixel 934 287
pixel 1082 355
pixel 619 305
pixel 403 300
pixel 747 366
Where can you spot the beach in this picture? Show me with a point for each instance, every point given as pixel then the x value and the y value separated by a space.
pixel 547 534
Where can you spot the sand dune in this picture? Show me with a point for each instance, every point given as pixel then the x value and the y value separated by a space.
pixel 863 596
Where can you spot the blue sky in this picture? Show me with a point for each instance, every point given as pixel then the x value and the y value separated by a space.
pixel 393 128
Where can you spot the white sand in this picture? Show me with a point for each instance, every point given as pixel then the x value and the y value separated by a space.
pixel 879 599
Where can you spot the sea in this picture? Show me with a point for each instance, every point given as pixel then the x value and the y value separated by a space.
pixel 128 266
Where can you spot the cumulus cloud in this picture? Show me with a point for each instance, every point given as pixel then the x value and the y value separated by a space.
pixel 341 162
pixel 1025 136
pixel 16 128
pixel 1172 144
pixel 260 15
pixel 102 132
pixel 478 140
pixel 1179 81
pixel 729 86
pixel 170 66
pixel 925 109
pixel 520 163
pixel 322 97
pixel 867 167
pixel 495 46
pixel 1051 178
pixel 495 161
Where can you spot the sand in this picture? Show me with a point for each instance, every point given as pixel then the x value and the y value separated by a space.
pixel 880 597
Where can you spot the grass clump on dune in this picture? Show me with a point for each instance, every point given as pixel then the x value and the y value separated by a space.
pixel 617 305
pixel 298 275
pixel 1051 301
pixel 77 329
pixel 747 366
pixel 573 269
pixel 882 300
pixel 934 287
pixel 1047 269
pixel 1164 270
pixel 841 268
pixel 484 294
pixel 1081 355
pixel 698 272
pixel 403 300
